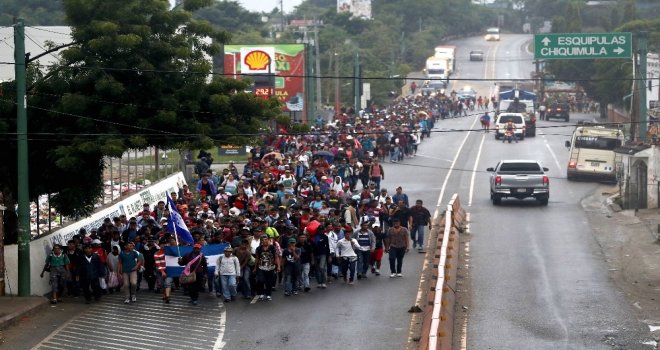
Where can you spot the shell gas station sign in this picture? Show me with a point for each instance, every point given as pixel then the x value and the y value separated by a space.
pixel 285 61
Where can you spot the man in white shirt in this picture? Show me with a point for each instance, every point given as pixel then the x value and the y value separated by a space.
pixel 346 253
pixel 228 268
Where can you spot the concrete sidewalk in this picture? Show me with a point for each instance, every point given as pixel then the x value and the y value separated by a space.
pixel 629 242
pixel 13 309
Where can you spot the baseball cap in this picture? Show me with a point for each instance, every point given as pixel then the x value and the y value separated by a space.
pixel 229 249
pixel 96 241
pixel 292 240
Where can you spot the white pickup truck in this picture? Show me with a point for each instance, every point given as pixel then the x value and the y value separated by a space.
pixel 519 179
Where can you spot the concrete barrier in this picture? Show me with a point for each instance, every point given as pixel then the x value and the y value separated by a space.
pixel 438 324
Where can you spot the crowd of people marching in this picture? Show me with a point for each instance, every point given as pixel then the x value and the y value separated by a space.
pixel 302 208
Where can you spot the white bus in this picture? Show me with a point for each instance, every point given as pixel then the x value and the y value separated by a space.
pixel 591 152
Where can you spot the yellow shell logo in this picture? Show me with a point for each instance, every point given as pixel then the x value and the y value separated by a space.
pixel 257 60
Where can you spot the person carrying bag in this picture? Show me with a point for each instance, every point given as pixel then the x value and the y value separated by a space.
pixel 193 274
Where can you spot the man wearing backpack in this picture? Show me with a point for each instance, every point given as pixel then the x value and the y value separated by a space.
pixel 228 268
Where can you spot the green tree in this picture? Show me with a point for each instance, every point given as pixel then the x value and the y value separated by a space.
pixel 137 77
pixel 35 12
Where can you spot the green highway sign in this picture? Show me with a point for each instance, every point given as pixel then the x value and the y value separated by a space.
pixel 559 46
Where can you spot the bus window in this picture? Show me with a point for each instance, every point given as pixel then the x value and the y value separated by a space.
pixel 593 142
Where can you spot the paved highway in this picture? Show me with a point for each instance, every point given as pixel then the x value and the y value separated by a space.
pixel 538 278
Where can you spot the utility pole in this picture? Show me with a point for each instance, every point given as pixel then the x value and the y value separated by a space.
pixel 2 244
pixel 357 81
pixel 22 166
pixel 318 65
pixel 337 98
pixel 641 84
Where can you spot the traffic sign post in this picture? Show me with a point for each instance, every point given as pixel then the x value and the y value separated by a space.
pixel 582 46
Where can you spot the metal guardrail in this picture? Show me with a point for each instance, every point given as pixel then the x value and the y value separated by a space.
pixel 442 316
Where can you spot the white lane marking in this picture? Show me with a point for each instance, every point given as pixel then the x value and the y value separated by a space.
pixel 219 341
pixel 451 169
pixel 474 170
pixel 554 156
pixel 436 158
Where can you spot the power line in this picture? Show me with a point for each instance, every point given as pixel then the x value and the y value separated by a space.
pixel 334 77
pixel 48 30
pixel 41 47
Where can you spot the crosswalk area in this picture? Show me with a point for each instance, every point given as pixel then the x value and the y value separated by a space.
pixel 145 324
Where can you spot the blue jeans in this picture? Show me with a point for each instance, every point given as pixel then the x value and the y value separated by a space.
pixel 346 265
pixel 321 268
pixel 303 275
pixel 417 235
pixel 228 286
pixel 396 259
pixel 291 272
pixel 244 283
pixel 363 261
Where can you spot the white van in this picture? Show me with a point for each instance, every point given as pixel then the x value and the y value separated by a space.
pixel 493 34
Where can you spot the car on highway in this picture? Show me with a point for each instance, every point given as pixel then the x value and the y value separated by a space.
pixel 476 55
pixel 433 87
pixel 467 92
pixel 519 179
pixel 492 34
pixel 518 120
pixel 558 111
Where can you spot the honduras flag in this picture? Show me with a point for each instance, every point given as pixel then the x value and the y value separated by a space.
pixel 175 223
pixel 211 253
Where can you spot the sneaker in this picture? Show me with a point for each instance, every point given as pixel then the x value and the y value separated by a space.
pixel 393 275
pixel 227 300
pixel 399 275
pixel 351 283
pixel 377 272
pixel 295 292
pixel 307 289
pixel 286 294
pixel 324 286
pixel 262 297
pixel 127 301
pixel 373 270
pixel 134 299
pixel 268 298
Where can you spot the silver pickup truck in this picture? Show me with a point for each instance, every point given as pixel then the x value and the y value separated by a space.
pixel 519 179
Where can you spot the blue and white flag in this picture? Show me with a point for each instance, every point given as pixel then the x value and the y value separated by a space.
pixel 175 223
pixel 211 253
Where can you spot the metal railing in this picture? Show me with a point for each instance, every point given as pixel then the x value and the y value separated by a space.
pixel 122 177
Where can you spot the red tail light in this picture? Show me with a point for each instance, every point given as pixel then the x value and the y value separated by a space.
pixel 572 164
pixel 498 180
pixel 546 180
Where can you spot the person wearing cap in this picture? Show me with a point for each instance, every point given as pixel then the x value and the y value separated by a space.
pixel 89 272
pixel 291 258
pixel 130 262
pixel 57 264
pixel 160 265
pixel 367 244
pixel 346 253
pixel 396 244
pixel 198 265
pixel 98 250
pixel 228 269
pixel 267 264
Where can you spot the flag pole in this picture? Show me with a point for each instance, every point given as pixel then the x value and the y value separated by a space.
pixel 176 236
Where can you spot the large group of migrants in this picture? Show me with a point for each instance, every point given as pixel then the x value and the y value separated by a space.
pixel 303 207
